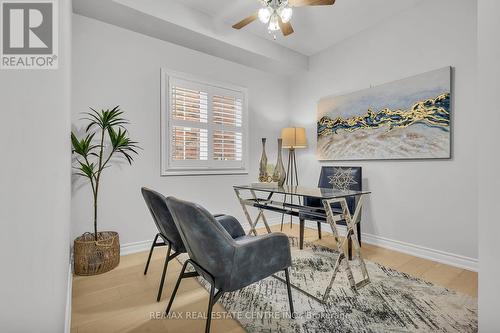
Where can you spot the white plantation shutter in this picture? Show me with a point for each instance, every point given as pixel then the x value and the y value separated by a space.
pixel 227 146
pixel 227 110
pixel 206 126
pixel 188 104
pixel 189 144
pixel 227 113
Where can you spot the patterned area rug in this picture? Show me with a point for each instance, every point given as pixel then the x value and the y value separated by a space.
pixel 392 302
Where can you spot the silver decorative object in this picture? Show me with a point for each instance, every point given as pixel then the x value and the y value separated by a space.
pixel 279 174
pixel 263 176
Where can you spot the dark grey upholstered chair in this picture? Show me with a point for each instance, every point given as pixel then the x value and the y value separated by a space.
pixel 324 181
pixel 168 233
pixel 227 264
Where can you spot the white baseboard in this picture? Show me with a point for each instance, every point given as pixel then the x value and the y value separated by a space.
pixel 69 293
pixel 423 252
pixel 443 257
pixel 135 247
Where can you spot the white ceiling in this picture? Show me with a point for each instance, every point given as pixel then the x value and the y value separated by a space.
pixel 205 26
pixel 316 28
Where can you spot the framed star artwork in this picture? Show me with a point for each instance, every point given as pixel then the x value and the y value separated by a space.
pixel 342 179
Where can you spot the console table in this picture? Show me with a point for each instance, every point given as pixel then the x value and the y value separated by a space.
pixel 267 201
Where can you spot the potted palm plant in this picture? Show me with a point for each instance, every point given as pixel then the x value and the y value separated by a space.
pixel 105 137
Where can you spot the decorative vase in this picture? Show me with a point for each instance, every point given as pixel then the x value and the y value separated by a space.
pixel 279 174
pixel 263 163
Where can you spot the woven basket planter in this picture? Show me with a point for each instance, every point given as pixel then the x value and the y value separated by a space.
pixel 93 257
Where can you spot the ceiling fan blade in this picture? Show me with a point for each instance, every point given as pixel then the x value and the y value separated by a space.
pixel 246 21
pixel 301 3
pixel 286 28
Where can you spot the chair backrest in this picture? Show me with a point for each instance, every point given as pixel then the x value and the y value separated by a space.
pixel 356 184
pixel 207 242
pixel 158 208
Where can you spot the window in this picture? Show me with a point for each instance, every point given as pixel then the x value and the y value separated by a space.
pixel 203 125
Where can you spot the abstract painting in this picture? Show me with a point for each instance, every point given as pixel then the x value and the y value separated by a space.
pixel 405 119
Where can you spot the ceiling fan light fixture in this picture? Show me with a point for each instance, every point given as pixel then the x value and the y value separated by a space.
pixel 286 14
pixel 265 14
pixel 273 23
pixel 277 14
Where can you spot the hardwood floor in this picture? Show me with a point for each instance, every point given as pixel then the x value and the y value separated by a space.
pixel 124 300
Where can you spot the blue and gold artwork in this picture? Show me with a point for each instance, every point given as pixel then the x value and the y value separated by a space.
pixel 406 119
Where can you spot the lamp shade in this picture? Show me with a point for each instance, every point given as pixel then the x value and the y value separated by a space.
pixel 294 137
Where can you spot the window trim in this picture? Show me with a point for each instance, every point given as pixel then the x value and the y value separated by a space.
pixel 166 168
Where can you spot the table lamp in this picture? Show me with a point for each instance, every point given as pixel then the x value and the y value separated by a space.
pixel 293 138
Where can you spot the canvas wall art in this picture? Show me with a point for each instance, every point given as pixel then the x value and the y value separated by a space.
pixel 405 119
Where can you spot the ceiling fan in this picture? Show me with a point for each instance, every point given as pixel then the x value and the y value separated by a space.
pixel 278 13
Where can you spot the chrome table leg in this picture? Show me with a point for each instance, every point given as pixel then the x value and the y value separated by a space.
pixel 352 235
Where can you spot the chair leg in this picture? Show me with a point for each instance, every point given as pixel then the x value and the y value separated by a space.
pixel 165 265
pixel 150 253
pixel 289 289
pixel 301 234
pixel 282 214
pixel 211 302
pixel 358 226
pixel 319 229
pixel 181 275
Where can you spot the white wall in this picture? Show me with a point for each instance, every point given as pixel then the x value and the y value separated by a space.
pixel 35 192
pixel 115 66
pixel 432 204
pixel 488 164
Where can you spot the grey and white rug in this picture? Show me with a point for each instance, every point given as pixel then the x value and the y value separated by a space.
pixel 392 302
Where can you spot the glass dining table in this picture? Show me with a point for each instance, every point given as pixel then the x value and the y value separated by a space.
pixel 267 197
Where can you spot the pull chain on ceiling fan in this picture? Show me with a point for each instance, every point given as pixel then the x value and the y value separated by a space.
pixel 278 13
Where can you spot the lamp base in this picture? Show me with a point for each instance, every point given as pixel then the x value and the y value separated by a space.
pixel 291 180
